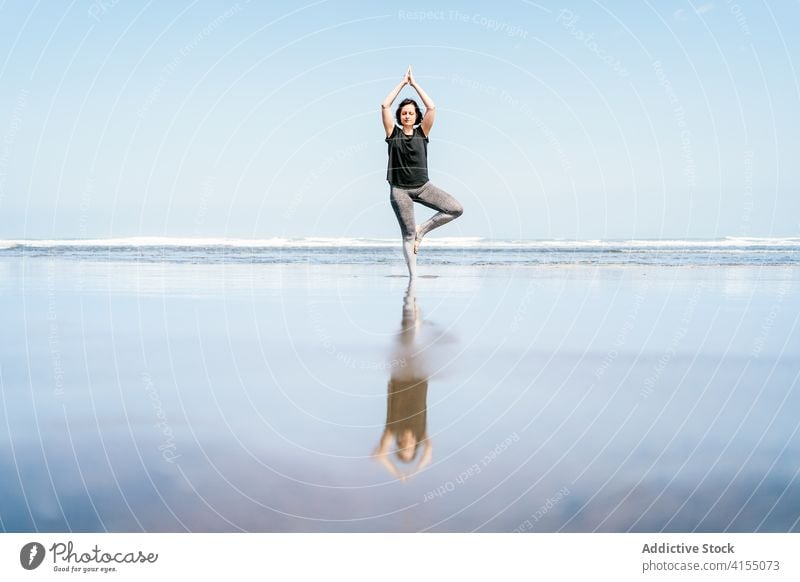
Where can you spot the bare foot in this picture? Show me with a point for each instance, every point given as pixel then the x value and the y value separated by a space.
pixel 417 240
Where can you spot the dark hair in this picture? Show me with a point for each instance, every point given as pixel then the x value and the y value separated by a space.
pixel 403 103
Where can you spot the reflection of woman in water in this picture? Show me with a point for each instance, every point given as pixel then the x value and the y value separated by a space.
pixel 407 171
pixel 406 409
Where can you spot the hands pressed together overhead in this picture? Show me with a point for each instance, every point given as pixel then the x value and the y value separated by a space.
pixel 409 77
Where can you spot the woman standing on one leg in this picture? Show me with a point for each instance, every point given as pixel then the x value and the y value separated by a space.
pixel 407 172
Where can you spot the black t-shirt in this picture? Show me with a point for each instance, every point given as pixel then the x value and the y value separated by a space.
pixel 408 158
pixel 407 406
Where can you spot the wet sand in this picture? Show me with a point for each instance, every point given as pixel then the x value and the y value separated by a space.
pixel 174 397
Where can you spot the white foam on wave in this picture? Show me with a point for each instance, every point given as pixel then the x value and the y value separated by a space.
pixel 440 242
pixel 178 242
pixel 139 241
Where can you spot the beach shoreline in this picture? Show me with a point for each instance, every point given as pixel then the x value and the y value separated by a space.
pixel 163 396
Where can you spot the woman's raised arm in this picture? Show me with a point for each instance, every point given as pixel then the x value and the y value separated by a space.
pixel 430 106
pixel 386 112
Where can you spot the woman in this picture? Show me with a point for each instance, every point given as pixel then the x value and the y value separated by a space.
pixel 407 171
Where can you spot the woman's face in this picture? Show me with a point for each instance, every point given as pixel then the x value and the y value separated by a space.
pixel 408 114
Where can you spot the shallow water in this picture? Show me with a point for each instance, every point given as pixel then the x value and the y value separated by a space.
pixel 172 396
pixel 463 251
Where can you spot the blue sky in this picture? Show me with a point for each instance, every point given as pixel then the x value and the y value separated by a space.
pixel 244 119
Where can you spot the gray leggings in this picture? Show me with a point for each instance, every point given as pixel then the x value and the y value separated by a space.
pixel 428 195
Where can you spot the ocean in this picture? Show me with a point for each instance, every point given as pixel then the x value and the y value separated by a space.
pixel 206 385
pixel 461 251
